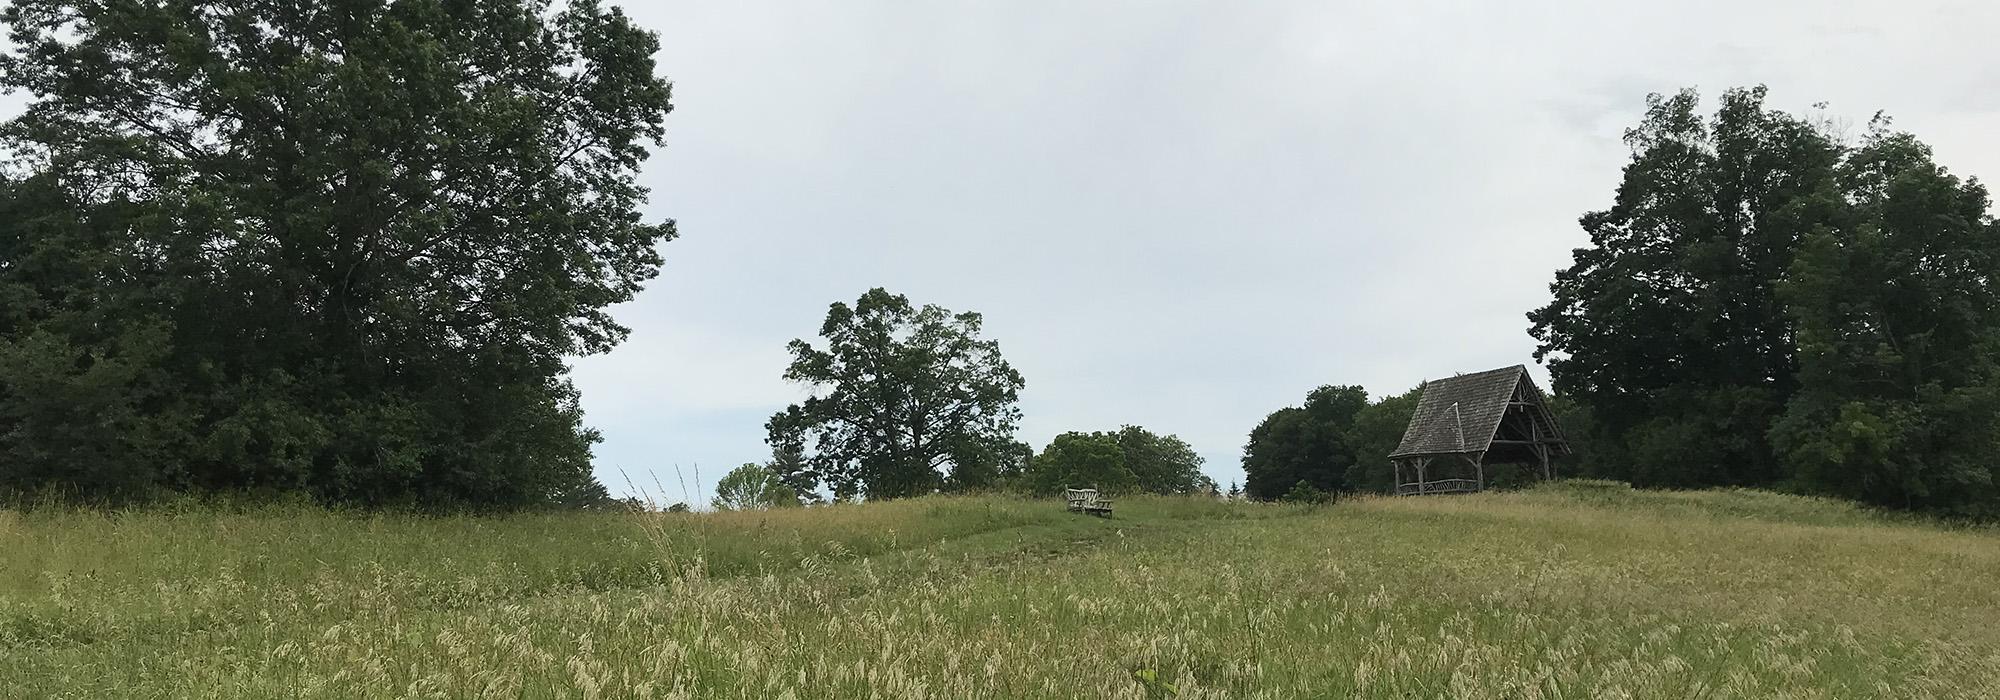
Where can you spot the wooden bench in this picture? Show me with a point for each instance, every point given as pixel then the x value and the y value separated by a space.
pixel 1438 486
pixel 1087 501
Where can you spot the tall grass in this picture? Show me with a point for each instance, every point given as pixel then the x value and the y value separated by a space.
pixel 1578 590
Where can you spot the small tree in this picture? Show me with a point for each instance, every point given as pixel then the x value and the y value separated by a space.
pixel 753 487
pixel 1083 460
pixel 1162 464
pixel 1305 492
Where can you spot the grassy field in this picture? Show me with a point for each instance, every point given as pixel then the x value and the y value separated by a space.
pixel 1578 590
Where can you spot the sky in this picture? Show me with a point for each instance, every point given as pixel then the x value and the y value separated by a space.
pixel 1182 215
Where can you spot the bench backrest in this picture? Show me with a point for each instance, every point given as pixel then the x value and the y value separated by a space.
pixel 1081 497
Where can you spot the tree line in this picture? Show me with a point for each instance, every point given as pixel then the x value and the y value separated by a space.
pixel 1770 301
pixel 909 400
pixel 268 248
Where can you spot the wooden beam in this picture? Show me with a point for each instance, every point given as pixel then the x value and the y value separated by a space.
pixel 1540 449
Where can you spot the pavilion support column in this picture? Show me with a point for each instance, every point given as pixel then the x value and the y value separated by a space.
pixel 1541 447
pixel 1397 465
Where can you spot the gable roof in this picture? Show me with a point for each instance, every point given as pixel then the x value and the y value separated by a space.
pixel 1460 415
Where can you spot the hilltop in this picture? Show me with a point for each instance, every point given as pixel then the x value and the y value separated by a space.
pixel 1577 589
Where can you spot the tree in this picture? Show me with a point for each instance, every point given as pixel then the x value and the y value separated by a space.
pixel 589 494
pixel 1161 464
pixel 989 465
pixel 1084 460
pixel 1132 460
pixel 1305 492
pixel 1766 301
pixel 902 396
pixel 1668 328
pixel 83 405
pixel 1309 443
pixel 345 252
pixel 753 487
pixel 1377 430
pixel 1899 338
pixel 1235 492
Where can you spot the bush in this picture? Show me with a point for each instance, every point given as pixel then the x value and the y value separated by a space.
pixel 1304 492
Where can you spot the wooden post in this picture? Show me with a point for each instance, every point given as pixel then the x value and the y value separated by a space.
pixel 1397 465
pixel 1541 447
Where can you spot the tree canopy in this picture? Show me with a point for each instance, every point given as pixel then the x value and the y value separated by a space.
pixel 340 250
pixel 1768 300
pixel 903 398
pixel 1131 460
pixel 753 487
pixel 1338 441
pixel 1308 444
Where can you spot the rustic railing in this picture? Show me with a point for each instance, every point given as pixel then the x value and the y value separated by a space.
pixel 1439 486
pixel 1087 501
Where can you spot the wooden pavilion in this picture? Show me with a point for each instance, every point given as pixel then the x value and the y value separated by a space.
pixel 1466 422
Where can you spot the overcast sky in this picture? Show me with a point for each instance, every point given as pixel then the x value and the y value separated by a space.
pixel 1182 215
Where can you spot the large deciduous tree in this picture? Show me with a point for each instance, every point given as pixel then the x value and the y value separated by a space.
pixel 1668 327
pixel 904 397
pixel 1898 327
pixel 335 247
pixel 1766 300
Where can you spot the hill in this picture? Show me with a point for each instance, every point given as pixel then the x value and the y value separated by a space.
pixel 1581 589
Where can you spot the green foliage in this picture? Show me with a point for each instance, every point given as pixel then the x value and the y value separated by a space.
pixel 1304 492
pixel 1376 432
pixel 753 487
pixel 1311 444
pixel 1898 329
pixel 1162 464
pixel 1132 460
pixel 1765 302
pixel 1084 460
pixel 902 396
pixel 1668 326
pixel 282 248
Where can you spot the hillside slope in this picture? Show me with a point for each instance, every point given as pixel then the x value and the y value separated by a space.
pixel 1578 590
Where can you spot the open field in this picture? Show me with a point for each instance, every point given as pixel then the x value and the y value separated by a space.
pixel 1578 590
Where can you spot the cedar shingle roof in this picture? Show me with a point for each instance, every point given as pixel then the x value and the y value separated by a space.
pixel 1460 414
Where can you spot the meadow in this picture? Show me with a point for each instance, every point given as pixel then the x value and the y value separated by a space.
pixel 1582 589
